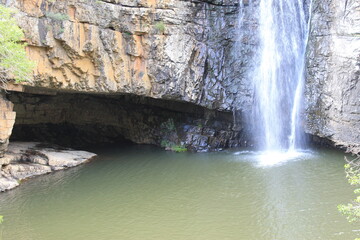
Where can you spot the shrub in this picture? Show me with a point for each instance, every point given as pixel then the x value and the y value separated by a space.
pixel 160 26
pixel 172 146
pixel 352 210
pixel 57 16
pixel 178 148
pixel 352 169
pixel 13 60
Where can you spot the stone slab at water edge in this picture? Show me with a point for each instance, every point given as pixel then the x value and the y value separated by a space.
pixel 28 159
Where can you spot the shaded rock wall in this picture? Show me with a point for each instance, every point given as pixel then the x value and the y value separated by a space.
pixel 78 120
pixel 333 71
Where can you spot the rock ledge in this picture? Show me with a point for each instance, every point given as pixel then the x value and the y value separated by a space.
pixel 28 159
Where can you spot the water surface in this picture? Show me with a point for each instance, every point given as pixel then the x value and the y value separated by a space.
pixel 143 192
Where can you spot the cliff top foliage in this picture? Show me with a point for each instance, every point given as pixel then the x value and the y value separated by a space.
pixel 14 63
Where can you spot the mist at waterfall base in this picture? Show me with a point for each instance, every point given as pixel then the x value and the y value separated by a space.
pixel 278 79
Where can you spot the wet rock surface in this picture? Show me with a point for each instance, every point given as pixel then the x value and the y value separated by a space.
pixel 28 159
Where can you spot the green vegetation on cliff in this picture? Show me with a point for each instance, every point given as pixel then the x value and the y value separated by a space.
pixel 57 16
pixel 160 26
pixel 13 60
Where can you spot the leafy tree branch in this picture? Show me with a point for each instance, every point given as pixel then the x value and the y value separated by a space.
pixel 14 63
pixel 352 169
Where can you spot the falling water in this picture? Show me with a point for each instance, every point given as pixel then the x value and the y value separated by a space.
pixel 279 73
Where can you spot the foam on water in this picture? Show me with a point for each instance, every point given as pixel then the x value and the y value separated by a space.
pixel 275 158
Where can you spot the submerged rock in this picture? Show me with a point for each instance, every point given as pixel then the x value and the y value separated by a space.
pixel 28 159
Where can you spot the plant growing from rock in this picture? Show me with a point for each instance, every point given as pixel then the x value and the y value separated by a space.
pixel 14 63
pixel 160 26
pixel 178 148
pixel 173 147
pixel 57 16
pixel 170 137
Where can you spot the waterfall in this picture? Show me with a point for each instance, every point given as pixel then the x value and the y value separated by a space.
pixel 278 73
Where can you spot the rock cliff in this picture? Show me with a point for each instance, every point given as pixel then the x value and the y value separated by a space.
pixel 168 49
pixel 187 51
pixel 333 70
pixel 173 50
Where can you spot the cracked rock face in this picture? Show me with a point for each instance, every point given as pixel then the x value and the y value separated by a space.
pixel 333 71
pixel 168 49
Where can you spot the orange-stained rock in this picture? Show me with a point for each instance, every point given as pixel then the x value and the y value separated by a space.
pixel 114 46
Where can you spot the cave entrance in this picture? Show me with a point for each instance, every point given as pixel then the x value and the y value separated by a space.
pixel 69 119
pixel 78 120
